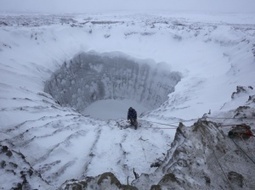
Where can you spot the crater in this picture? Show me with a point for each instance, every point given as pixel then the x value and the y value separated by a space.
pixel 105 85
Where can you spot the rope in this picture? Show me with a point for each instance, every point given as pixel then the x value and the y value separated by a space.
pixel 164 124
pixel 229 125
pixel 222 170
pixel 172 126
pixel 161 127
pixel 230 118
pixel 189 120
pixel 218 162
pixel 210 143
pixel 243 151
pixel 164 128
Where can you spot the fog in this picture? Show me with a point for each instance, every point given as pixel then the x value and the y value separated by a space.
pixel 83 6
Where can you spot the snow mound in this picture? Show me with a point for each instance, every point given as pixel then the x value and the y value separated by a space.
pixel 104 181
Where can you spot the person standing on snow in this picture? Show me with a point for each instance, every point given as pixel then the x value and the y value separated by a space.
pixel 132 116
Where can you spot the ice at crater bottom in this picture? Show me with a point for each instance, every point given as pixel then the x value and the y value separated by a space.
pixel 107 79
pixel 112 109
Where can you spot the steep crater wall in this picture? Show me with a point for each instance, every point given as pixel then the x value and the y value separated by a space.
pixel 90 77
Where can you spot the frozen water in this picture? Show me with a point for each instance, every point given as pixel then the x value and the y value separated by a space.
pixel 112 109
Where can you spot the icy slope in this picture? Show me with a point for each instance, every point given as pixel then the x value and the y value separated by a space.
pixel 59 143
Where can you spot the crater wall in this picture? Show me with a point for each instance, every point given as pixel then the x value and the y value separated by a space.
pixel 90 77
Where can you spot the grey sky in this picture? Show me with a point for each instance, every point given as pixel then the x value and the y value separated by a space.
pixel 57 6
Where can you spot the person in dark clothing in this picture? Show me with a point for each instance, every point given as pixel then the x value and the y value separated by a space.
pixel 132 116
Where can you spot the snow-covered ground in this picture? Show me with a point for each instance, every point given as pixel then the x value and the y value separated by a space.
pixel 212 53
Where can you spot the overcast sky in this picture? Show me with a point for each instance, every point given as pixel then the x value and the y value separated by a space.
pixel 83 6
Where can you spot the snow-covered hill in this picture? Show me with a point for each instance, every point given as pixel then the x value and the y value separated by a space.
pixel 178 66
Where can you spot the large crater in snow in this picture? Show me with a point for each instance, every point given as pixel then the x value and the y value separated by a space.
pixel 92 77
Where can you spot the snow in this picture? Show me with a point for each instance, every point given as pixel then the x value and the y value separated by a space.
pixel 213 54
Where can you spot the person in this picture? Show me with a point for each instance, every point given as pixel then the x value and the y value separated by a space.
pixel 132 116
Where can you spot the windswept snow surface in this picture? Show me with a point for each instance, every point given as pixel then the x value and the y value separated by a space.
pixel 213 54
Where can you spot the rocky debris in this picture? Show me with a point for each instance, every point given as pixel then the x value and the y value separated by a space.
pixel 156 187
pixel 170 180
pixel 157 163
pixel 104 181
pixel 2 23
pixel 201 157
pixel 35 20
pixel 251 99
pixel 236 179
pixel 241 90
pixel 242 104
pixel 20 173
pixel 253 50
pixel 135 174
pixel 107 22
pixel 246 111
pixel 240 112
